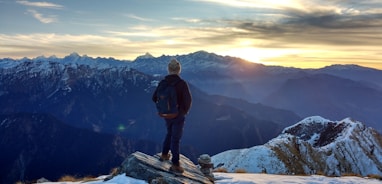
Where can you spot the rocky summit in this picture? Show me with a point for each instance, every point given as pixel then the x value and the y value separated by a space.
pixel 151 169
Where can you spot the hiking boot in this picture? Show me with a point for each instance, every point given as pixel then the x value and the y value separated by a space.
pixel 164 157
pixel 176 169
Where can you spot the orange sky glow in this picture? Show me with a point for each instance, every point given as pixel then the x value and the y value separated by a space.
pixel 291 33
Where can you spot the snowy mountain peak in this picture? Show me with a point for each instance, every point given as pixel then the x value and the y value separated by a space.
pixel 74 55
pixel 204 55
pixel 320 132
pixel 201 52
pixel 348 68
pixel 145 56
pixel 340 67
pixel 313 145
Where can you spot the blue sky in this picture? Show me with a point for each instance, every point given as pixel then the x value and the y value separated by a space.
pixel 297 33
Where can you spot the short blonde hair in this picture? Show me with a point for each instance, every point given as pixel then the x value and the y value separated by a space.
pixel 174 67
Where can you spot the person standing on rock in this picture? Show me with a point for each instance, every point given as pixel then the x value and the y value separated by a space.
pixel 174 123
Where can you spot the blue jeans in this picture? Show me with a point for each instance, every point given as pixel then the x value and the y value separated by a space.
pixel 173 136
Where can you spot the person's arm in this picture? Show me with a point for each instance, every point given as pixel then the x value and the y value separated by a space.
pixel 187 98
pixel 154 97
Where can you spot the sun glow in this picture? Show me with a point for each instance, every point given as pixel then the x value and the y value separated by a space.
pixel 249 54
pixel 260 55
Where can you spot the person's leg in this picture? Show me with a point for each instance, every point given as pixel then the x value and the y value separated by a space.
pixel 167 141
pixel 177 132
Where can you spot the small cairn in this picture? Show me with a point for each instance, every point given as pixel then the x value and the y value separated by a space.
pixel 206 166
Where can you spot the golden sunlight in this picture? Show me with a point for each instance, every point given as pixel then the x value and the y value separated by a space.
pixel 249 54
pixel 301 58
pixel 260 55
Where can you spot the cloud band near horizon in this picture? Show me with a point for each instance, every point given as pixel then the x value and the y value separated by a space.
pixel 292 33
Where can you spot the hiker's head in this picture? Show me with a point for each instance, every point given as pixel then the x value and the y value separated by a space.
pixel 174 67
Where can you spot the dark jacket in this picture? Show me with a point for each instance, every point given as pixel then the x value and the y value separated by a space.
pixel 182 91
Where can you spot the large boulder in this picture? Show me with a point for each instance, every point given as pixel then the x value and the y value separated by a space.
pixel 149 168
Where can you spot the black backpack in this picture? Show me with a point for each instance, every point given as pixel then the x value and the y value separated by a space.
pixel 167 101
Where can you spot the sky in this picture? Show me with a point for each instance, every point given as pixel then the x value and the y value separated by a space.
pixel 297 33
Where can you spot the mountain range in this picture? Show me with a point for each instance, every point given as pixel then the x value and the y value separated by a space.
pixel 109 97
pixel 334 92
pixel 236 104
pixel 37 145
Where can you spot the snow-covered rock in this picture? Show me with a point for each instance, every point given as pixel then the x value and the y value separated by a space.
pixel 314 145
pixel 146 167
pixel 145 56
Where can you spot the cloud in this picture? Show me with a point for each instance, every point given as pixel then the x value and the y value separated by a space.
pixel 139 18
pixel 261 4
pixel 158 41
pixel 280 48
pixel 39 16
pixel 42 18
pixel 298 23
pixel 188 20
pixel 40 4
pixel 301 7
pixel 308 31
pixel 273 31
